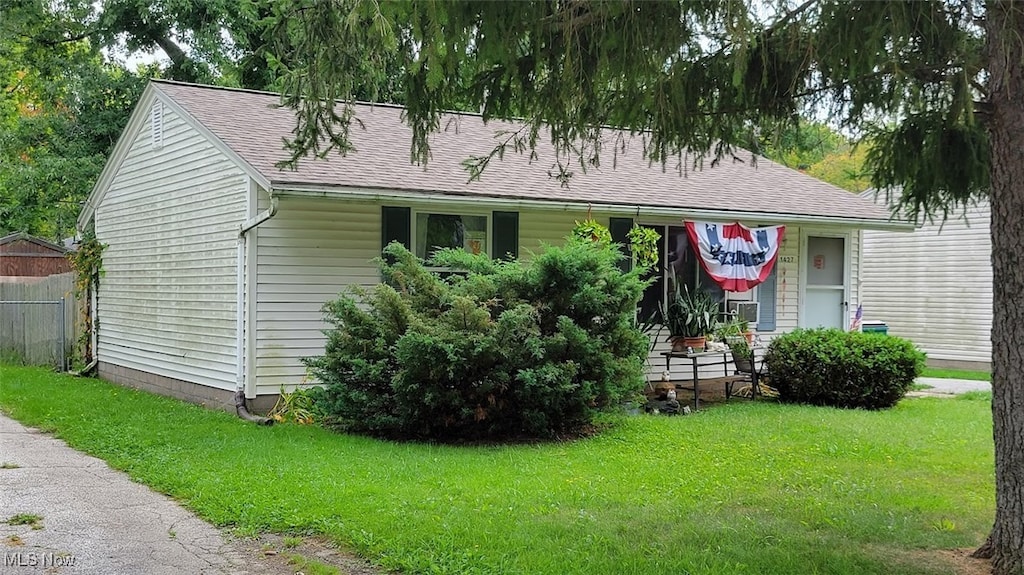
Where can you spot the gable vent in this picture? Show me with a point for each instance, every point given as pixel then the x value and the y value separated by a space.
pixel 156 121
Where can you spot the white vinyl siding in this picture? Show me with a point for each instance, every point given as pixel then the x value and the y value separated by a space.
pixel 934 285
pixel 538 227
pixel 313 249
pixel 170 217
pixel 787 283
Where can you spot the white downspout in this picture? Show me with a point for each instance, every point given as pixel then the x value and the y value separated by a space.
pixel 240 406
pixel 259 218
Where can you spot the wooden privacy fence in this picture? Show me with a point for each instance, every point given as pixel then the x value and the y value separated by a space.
pixel 38 320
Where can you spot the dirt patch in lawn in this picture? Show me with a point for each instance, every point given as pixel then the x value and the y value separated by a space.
pixel 958 561
pixel 963 562
pixel 293 554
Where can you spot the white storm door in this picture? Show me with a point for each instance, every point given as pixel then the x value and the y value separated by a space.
pixel 825 291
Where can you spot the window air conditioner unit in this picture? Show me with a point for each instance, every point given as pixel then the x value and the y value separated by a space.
pixel 743 310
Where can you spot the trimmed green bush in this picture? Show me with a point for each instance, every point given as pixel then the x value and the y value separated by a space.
pixel 842 369
pixel 503 350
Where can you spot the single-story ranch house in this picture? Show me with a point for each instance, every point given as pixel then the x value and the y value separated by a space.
pixel 218 262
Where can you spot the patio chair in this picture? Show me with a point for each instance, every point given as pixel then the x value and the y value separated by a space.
pixel 745 360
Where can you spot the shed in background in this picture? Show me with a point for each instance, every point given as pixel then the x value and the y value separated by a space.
pixel 22 255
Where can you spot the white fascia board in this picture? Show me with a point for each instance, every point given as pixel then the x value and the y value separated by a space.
pixel 435 198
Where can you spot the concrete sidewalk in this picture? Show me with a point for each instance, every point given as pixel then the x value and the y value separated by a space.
pixel 948 387
pixel 96 520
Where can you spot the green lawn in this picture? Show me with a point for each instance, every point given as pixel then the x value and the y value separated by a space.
pixel 957 374
pixel 743 488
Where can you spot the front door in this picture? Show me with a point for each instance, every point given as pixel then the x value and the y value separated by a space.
pixel 825 292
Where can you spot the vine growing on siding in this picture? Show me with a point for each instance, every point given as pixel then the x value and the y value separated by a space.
pixel 87 263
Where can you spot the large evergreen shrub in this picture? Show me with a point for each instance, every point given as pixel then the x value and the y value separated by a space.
pixel 841 368
pixel 506 349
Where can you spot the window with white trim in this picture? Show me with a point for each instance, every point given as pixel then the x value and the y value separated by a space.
pixel 436 230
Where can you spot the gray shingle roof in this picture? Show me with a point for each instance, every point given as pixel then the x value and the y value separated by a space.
pixel 251 125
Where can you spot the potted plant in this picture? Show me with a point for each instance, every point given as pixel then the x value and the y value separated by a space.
pixel 743 359
pixel 727 329
pixel 734 326
pixel 744 327
pixel 741 351
pixel 690 317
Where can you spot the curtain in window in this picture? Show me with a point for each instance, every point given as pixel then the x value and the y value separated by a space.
pixel 436 231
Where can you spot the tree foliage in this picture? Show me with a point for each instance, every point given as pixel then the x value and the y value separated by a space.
pixel 694 78
pixel 56 142
pixel 846 168
pixel 66 100
pixel 801 144
pixel 820 151
pixel 66 97
pixel 215 41
pixel 934 84
pixel 63 109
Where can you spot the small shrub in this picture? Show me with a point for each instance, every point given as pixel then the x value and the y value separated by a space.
pixel 296 406
pixel 842 369
pixel 505 350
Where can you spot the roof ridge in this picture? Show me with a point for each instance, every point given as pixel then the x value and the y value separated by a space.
pixel 211 86
pixel 515 121
pixel 278 94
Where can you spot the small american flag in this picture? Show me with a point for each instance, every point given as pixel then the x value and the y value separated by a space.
pixel 857 317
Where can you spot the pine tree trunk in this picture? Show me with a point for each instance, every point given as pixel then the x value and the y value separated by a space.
pixel 1005 31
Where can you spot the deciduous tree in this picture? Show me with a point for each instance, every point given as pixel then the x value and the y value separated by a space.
pixel 62 109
